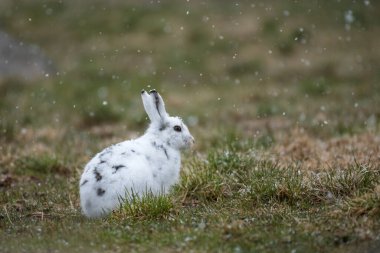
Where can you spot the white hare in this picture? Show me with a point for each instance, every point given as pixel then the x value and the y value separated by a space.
pixel 150 163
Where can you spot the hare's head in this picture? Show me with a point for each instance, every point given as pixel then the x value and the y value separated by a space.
pixel 171 130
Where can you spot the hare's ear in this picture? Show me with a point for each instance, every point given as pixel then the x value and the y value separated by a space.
pixel 159 104
pixel 154 106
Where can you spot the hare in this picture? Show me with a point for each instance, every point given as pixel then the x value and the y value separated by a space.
pixel 150 163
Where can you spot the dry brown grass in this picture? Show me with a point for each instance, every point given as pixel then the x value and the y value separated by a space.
pixel 312 153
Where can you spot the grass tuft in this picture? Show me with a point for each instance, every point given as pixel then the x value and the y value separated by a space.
pixel 270 183
pixel 147 207
pixel 345 182
pixel 367 204
pixel 200 183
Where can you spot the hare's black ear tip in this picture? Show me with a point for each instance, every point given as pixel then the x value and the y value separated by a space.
pixel 152 91
pixel 142 91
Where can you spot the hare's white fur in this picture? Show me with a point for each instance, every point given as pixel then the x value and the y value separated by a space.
pixel 150 163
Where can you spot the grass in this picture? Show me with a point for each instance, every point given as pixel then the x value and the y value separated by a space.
pixel 315 88
pixel 42 165
pixel 148 207
pixel 282 99
pixel 100 114
pixel 228 201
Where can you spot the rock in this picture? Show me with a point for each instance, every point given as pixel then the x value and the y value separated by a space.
pixel 21 60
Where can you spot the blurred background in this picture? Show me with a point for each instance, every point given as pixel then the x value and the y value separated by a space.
pixel 282 97
pixel 254 69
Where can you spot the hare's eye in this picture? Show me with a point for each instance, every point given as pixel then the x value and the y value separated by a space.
pixel 177 128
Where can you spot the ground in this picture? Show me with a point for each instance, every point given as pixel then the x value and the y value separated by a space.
pixel 283 100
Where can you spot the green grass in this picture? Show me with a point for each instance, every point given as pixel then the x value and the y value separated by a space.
pixel 100 114
pixel 39 165
pixel 283 101
pixel 147 207
pixel 315 87
pixel 228 201
pixel 7 131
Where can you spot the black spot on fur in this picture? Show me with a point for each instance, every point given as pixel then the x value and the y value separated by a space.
pixel 166 153
pixel 102 161
pixel 98 176
pixel 160 147
pixel 102 155
pixel 126 154
pixel 107 151
pixel 162 127
pixel 160 168
pixel 133 151
pixel 154 175
pixel 84 182
pixel 100 191
pixel 117 167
